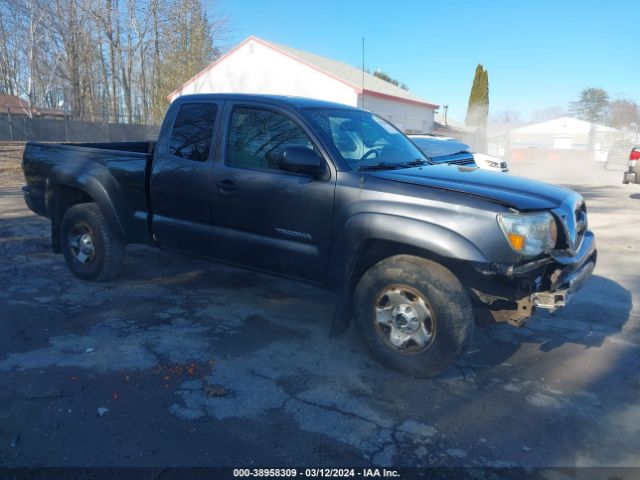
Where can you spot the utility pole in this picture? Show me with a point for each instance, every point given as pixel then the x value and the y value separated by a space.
pixel 363 73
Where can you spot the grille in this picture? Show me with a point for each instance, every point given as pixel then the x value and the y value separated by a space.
pixel 573 219
pixel 581 222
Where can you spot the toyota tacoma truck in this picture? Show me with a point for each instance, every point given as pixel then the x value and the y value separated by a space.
pixel 328 194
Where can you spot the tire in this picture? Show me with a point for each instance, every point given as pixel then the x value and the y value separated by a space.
pixel 92 250
pixel 421 295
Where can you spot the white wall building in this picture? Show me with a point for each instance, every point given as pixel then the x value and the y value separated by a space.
pixel 565 133
pixel 261 67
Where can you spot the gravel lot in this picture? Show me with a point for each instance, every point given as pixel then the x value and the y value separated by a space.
pixel 201 364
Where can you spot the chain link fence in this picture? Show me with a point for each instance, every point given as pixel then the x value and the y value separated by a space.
pixel 615 146
pixel 605 146
pixel 22 128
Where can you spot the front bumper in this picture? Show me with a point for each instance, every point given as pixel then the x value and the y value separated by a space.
pixel 547 283
pixel 571 283
pixel 495 169
pixel 573 271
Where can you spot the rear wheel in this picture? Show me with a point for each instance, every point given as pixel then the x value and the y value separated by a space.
pixel 414 315
pixel 90 247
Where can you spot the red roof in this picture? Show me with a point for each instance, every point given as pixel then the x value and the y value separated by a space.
pixel 16 104
pixel 20 106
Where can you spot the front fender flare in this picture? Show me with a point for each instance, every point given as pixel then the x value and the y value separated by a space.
pixel 413 233
pixel 402 231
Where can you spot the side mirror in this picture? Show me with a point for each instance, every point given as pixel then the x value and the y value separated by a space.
pixel 302 160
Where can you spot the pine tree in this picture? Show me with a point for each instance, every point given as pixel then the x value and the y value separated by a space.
pixel 591 105
pixel 478 107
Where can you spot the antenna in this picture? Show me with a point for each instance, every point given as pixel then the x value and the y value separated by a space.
pixel 363 73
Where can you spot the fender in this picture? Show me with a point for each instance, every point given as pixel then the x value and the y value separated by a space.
pixel 409 232
pixel 96 181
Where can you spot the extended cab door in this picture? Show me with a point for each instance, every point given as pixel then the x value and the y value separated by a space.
pixel 266 217
pixel 180 189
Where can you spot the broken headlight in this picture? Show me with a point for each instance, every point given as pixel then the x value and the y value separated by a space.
pixel 529 234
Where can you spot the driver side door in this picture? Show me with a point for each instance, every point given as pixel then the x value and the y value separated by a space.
pixel 266 217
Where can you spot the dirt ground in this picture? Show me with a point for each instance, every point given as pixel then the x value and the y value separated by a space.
pixel 188 363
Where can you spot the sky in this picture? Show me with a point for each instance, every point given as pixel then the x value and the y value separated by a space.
pixel 539 54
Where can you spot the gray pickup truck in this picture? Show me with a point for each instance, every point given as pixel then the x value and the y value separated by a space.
pixel 327 194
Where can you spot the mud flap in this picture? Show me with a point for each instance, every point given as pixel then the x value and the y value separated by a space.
pixel 341 316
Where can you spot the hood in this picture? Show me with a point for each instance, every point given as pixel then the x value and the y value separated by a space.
pixel 517 192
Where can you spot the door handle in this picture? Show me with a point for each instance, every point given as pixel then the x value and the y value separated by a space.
pixel 226 186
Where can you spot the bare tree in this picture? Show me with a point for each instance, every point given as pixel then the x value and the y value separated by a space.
pixel 506 116
pixel 111 59
pixel 622 113
pixel 187 46
pixel 549 113
pixel 9 56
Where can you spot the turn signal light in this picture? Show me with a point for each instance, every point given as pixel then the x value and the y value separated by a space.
pixel 517 241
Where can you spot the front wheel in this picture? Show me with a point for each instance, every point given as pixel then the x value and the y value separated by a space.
pixel 91 249
pixel 414 315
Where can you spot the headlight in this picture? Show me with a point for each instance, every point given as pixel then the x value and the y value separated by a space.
pixel 529 234
pixel 493 164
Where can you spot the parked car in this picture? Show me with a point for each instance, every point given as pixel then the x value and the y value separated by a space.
pixel 441 149
pixel 489 162
pixel 327 194
pixel 444 150
pixel 632 175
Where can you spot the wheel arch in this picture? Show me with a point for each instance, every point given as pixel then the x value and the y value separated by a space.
pixel 64 191
pixel 370 238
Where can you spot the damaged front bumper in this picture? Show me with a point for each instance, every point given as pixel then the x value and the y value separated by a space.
pixel 512 293
pixel 559 296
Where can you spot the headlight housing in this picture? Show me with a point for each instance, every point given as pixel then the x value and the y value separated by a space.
pixel 493 164
pixel 529 234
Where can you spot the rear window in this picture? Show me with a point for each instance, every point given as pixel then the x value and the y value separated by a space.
pixel 192 131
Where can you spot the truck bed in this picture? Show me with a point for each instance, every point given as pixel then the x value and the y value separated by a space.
pixel 126 163
pixel 131 147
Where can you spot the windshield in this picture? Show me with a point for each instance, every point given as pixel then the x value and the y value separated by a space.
pixel 437 147
pixel 366 141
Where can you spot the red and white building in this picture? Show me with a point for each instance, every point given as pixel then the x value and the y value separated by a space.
pixel 261 67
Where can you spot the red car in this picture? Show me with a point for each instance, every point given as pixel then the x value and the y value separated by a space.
pixel 633 174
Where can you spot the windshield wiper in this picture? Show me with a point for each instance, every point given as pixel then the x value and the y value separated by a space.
pixel 379 166
pixel 415 163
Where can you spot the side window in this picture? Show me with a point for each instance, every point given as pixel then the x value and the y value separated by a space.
pixel 192 131
pixel 258 138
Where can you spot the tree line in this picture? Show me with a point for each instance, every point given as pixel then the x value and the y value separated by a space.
pixel 104 59
pixel 593 105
